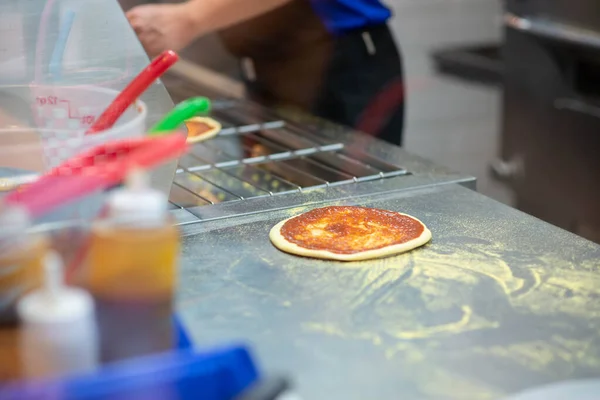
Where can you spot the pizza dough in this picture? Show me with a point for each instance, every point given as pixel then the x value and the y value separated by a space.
pixel 348 233
pixel 201 129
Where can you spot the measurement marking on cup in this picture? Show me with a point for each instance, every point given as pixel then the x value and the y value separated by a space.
pixel 49 100
pixel 44 101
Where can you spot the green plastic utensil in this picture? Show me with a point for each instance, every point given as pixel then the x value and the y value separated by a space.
pixel 181 113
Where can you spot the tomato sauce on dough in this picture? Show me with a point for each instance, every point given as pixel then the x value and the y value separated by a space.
pixel 348 230
pixel 197 128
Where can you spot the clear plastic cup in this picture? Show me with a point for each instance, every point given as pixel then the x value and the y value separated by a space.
pixel 66 108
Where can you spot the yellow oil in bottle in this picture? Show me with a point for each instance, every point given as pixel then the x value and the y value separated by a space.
pixel 21 270
pixel 130 263
pixel 132 269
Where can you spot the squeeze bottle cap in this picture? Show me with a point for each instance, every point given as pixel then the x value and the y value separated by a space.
pixel 55 303
pixel 138 204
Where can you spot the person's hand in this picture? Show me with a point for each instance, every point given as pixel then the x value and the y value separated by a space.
pixel 162 27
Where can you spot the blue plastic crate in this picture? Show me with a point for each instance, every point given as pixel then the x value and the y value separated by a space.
pixel 220 374
pixel 184 374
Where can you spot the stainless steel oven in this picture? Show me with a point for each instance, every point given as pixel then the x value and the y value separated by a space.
pixel 551 116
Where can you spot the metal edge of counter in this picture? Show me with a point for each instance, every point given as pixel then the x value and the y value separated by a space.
pixel 235 212
pixel 421 173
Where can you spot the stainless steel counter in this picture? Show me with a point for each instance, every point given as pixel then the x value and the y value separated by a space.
pixel 102 50
pixel 496 303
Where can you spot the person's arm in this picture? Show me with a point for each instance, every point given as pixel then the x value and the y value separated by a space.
pixel 174 26
pixel 213 15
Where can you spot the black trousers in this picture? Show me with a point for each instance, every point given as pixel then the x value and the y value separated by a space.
pixel 364 86
pixel 354 78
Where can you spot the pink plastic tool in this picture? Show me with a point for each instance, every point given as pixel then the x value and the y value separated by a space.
pixel 127 97
pixel 100 168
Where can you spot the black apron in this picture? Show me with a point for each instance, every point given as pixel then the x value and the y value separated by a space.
pixel 354 78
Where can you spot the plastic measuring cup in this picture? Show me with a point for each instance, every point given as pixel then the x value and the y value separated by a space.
pixel 57 117
pixel 43 126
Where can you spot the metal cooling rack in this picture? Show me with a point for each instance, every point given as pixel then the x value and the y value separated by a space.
pixel 258 154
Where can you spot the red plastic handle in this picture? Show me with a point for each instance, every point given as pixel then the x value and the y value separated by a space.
pixel 99 168
pixel 140 83
pixel 118 156
pixel 152 152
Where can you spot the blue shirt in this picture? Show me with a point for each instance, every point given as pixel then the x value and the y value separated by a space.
pixel 343 15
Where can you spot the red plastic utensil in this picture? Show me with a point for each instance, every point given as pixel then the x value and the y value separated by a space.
pixel 100 168
pixel 140 83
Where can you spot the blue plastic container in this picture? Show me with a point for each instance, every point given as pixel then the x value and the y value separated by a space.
pixel 220 374
pixel 184 374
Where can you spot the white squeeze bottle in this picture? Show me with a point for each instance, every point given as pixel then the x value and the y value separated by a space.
pixel 58 331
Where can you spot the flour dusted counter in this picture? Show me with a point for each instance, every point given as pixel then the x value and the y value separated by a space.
pixel 498 302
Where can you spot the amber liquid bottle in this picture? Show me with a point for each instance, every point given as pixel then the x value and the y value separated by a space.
pixel 132 272
pixel 21 270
